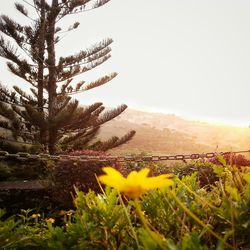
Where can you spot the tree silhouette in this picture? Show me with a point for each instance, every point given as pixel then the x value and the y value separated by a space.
pixel 49 116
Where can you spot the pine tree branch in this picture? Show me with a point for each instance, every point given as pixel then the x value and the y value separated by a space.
pixel 24 95
pixel 124 139
pixel 21 67
pixel 21 9
pixel 7 51
pixel 111 114
pixel 7 96
pixel 12 119
pixel 34 92
pixel 71 138
pixel 82 117
pixel 12 103
pixel 104 146
pixel 101 81
pixel 62 102
pixel 77 70
pixel 82 141
pixel 64 86
pixel 33 6
pixel 113 142
pixel 18 72
pixel 5 125
pixel 6 112
pixel 86 60
pixel 17 32
pixel 21 112
pixel 85 54
pixel 38 5
pixel 97 83
pixel 65 116
pixel 82 7
pixel 11 29
pixel 35 117
pixel 81 136
pixel 98 111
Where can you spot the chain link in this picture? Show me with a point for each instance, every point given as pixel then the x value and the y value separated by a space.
pixel 87 158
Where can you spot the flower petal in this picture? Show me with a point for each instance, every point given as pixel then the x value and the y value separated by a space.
pixel 113 178
pixel 144 172
pixel 112 172
pixel 158 182
pixel 136 183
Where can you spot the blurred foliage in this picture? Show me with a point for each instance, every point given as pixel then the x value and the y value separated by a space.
pixel 68 175
pixel 232 159
pixel 186 216
pixel 21 169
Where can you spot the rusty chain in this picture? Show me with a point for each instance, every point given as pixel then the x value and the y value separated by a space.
pixel 87 158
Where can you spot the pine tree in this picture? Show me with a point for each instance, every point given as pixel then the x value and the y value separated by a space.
pixel 49 116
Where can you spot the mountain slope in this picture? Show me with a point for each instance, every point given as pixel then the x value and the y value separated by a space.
pixel 170 134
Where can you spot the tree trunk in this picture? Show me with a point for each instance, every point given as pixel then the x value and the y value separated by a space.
pixel 50 37
pixel 40 59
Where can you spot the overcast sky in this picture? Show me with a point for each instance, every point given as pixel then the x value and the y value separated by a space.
pixel 187 57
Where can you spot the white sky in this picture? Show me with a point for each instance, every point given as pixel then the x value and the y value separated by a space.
pixel 187 57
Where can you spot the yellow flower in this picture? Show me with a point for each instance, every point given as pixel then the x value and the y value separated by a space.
pixel 50 220
pixel 35 216
pixel 136 183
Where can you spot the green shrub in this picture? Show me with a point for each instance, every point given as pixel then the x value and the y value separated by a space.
pixel 184 217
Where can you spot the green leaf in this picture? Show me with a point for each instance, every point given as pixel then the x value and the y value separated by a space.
pixel 218 170
pixel 233 192
pixel 247 177
pixel 222 160
pixel 146 239
pixel 191 242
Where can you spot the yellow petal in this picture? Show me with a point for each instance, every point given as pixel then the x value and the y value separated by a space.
pixel 133 179
pixel 136 183
pixel 113 178
pixel 112 172
pixel 158 182
pixel 132 175
pixel 110 181
pixel 144 172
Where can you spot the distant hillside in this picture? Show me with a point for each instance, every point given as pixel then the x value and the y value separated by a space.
pixel 167 134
